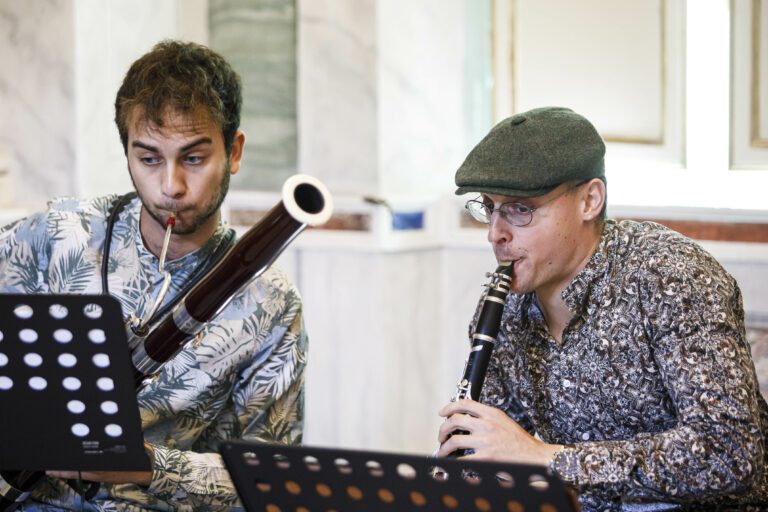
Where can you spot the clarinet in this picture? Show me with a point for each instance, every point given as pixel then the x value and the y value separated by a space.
pixel 484 338
pixel 305 202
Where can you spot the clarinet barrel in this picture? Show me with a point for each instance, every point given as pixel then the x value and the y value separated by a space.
pixel 484 336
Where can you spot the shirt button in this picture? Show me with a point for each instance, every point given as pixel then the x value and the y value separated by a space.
pixel 585 436
pixel 566 383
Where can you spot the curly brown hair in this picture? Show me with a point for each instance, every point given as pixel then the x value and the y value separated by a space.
pixel 180 77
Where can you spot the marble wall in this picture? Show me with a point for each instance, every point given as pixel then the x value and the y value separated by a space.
pixel 62 63
pixel 37 93
pixel 381 98
pixel 421 96
pixel 338 93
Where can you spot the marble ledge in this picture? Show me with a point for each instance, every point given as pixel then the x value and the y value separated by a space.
pixel 378 240
pixel 357 223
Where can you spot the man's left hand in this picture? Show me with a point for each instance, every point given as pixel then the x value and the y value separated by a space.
pixel 492 435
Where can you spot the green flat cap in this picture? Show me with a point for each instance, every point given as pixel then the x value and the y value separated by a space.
pixel 531 153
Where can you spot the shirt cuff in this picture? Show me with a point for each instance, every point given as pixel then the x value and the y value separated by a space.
pixel 167 467
pixel 606 463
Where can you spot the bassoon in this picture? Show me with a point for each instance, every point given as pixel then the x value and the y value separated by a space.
pixel 305 202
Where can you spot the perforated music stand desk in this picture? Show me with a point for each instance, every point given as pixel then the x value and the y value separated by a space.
pixel 67 392
pixel 278 478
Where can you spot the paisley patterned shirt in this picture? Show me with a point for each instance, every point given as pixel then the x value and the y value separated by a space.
pixel 243 378
pixel 652 390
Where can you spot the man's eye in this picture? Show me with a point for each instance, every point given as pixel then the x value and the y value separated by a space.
pixel 193 159
pixel 519 209
pixel 149 160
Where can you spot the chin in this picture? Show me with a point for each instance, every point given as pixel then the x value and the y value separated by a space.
pixel 518 291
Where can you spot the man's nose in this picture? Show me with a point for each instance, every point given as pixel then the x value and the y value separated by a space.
pixel 498 229
pixel 173 180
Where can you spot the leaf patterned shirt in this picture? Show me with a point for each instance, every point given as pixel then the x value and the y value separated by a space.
pixel 652 390
pixel 243 378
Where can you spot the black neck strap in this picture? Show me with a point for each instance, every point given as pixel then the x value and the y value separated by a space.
pixel 114 212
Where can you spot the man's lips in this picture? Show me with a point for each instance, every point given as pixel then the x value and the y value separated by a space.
pixel 166 211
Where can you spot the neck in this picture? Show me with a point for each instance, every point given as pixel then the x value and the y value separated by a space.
pixel 153 234
pixel 556 314
pixel 550 298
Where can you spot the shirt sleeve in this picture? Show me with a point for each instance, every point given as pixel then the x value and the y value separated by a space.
pixel 24 255
pixel 268 398
pixel 694 322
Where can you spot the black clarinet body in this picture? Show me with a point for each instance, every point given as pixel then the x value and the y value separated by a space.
pixel 305 202
pixel 484 337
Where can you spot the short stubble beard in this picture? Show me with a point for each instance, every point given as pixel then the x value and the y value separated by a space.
pixel 197 221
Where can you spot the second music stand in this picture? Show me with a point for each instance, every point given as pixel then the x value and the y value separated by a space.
pixel 277 478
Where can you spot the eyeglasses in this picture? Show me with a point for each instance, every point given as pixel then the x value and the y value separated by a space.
pixel 516 214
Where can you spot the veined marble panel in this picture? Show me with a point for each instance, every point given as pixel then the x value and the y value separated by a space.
pixel 421 63
pixel 337 94
pixel 259 40
pixel 37 124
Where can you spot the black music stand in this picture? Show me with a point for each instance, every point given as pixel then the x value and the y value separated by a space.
pixel 279 478
pixel 67 396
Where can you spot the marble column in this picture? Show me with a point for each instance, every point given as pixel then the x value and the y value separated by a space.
pixel 37 91
pixel 259 40
pixel 381 96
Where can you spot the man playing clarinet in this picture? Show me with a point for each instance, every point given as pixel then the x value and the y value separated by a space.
pixel 622 362
pixel 178 116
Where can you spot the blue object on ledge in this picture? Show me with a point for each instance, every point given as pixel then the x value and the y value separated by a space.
pixel 407 220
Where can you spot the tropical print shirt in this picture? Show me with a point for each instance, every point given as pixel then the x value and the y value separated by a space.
pixel 242 378
pixel 652 390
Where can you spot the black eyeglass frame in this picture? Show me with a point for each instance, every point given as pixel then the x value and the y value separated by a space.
pixel 482 213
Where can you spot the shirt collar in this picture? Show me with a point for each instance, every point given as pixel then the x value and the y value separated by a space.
pixel 577 294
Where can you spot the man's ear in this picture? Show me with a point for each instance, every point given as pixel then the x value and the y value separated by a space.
pixel 236 151
pixel 593 197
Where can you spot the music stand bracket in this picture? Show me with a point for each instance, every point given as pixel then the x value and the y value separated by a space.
pixel 66 386
pixel 277 478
